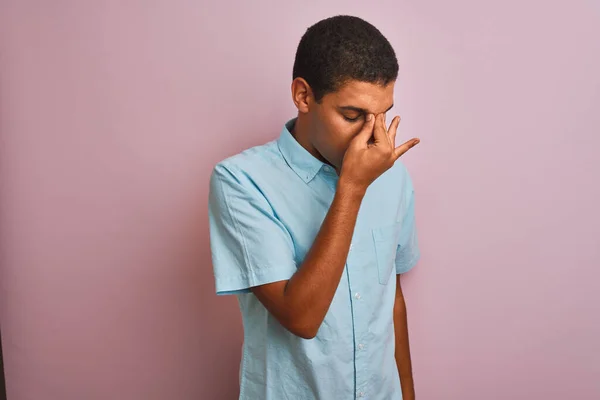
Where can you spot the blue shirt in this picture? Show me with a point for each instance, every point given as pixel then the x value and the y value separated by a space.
pixel 266 206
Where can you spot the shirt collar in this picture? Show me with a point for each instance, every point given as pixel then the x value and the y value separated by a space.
pixel 304 164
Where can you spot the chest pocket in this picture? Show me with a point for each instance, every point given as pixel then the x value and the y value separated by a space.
pixel 386 239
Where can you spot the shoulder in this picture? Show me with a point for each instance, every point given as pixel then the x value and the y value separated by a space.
pixel 242 167
pixel 403 176
pixel 397 179
pixel 400 171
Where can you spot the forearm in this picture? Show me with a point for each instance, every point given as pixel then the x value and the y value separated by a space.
pixel 309 292
pixel 402 354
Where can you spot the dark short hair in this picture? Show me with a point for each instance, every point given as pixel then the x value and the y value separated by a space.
pixel 343 48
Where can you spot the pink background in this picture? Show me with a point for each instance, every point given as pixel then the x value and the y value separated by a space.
pixel 113 113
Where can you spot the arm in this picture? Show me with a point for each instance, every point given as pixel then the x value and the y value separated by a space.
pixel 301 303
pixel 402 354
pixel 407 256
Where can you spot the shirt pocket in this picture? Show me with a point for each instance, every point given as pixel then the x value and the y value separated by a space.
pixel 385 239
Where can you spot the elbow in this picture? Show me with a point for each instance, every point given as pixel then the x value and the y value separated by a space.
pixel 301 321
pixel 304 333
pixel 304 329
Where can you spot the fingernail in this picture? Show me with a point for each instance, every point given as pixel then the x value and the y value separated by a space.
pixel 369 117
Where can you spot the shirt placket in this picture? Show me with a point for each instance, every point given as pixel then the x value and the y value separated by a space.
pixel 360 317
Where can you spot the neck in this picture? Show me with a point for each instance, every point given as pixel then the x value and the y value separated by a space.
pixel 301 132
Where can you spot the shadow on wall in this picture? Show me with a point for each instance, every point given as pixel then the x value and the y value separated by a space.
pixel 219 328
pixel 2 383
pixel 220 321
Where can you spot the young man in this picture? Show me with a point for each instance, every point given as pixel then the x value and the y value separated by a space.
pixel 312 231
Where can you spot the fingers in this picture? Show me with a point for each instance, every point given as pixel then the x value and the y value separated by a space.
pixel 367 130
pixel 404 147
pixel 393 129
pixel 379 131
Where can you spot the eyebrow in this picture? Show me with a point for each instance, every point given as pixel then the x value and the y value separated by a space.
pixel 360 110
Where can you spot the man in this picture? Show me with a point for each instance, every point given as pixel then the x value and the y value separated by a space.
pixel 312 231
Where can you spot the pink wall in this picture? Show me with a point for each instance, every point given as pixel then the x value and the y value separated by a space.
pixel 112 114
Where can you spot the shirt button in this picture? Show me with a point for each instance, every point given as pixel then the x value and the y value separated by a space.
pixel 361 346
pixel 361 394
pixel 357 296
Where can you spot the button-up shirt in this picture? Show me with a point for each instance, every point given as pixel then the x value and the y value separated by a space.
pixel 266 206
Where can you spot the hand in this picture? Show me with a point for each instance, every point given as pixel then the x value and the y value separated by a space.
pixel 366 160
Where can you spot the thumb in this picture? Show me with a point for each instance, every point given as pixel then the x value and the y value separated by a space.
pixel 367 130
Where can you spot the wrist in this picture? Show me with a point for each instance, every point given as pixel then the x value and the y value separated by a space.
pixel 351 189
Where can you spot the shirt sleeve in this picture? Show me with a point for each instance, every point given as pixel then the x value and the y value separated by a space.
pixel 249 245
pixel 408 252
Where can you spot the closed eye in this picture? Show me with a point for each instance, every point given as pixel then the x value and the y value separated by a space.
pixel 352 119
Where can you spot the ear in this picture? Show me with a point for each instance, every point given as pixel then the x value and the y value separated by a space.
pixel 302 95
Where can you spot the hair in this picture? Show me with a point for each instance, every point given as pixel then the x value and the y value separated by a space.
pixel 340 49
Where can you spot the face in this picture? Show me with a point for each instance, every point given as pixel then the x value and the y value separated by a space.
pixel 340 116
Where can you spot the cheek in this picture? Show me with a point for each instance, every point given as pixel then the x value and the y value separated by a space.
pixel 343 132
pixel 339 136
pixel 332 135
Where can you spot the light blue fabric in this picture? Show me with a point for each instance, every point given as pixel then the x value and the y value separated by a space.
pixel 266 206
